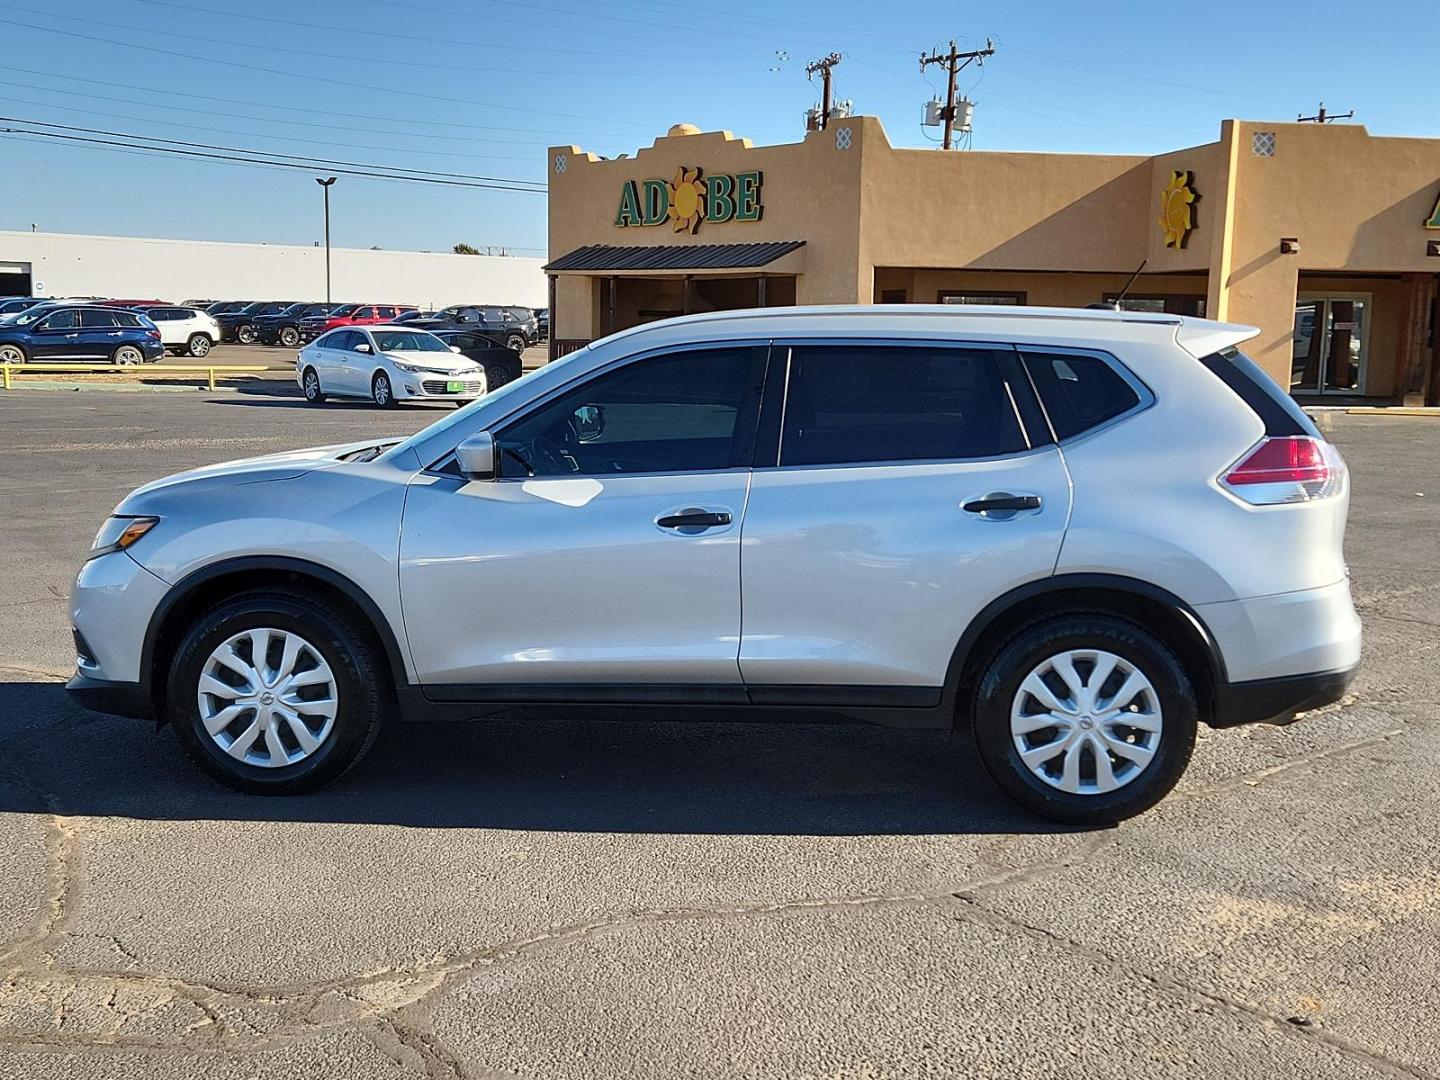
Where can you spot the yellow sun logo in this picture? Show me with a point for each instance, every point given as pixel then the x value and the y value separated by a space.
pixel 1177 208
pixel 687 200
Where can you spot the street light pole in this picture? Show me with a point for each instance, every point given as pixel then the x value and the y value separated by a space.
pixel 325 186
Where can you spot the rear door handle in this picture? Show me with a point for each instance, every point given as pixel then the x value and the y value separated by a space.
pixel 694 519
pixel 1001 504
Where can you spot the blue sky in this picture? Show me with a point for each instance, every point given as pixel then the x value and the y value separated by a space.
pixel 481 87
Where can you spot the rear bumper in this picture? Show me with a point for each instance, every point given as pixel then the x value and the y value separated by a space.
pixel 116 698
pixel 1276 701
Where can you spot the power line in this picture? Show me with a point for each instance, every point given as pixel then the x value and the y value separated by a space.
pixel 284 108
pixel 258 135
pixel 244 116
pixel 301 75
pixel 297 161
pixel 430 41
pixel 428 64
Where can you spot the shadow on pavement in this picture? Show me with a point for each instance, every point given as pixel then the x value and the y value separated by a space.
pixel 567 776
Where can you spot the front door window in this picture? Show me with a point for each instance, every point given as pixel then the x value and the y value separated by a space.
pixel 1329 345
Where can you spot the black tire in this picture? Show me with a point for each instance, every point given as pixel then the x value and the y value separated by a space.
pixel 1016 659
pixel 129 355
pixel 358 664
pixel 382 392
pixel 13 354
pixel 245 334
pixel 516 342
pixel 496 375
pixel 289 336
pixel 310 384
pixel 199 345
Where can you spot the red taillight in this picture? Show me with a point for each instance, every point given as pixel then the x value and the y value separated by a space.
pixel 1288 469
pixel 153 333
pixel 1297 460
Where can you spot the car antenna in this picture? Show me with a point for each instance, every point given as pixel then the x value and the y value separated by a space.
pixel 1114 305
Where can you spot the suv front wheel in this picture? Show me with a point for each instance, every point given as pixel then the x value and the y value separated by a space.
pixel 276 691
pixel 1085 718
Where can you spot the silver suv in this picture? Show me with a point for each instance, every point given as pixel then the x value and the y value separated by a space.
pixel 1077 534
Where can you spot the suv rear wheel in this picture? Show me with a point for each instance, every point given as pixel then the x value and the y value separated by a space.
pixel 128 355
pixel 516 342
pixel 276 691
pixel 199 345
pixel 1085 718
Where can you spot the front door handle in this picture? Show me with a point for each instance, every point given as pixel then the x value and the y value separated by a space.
pixel 694 519
pixel 1001 504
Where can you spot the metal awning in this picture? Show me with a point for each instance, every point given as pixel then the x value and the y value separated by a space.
pixel 609 258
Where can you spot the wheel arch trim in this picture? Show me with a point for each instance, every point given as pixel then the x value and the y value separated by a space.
pixel 1060 584
pixel 187 585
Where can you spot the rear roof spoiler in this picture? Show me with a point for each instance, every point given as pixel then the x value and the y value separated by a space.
pixel 1201 337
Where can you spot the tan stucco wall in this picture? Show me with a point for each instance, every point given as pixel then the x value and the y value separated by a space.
pixel 875 217
pixel 1355 202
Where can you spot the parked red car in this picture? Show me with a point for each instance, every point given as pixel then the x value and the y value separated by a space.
pixel 313 326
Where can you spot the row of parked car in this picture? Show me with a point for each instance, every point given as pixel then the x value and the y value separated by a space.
pixel 291 323
pixel 463 351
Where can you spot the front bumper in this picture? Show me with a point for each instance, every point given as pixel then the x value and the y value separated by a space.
pixel 410 387
pixel 113 601
pixel 1277 701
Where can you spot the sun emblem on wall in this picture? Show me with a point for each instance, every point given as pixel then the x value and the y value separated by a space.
pixel 1177 208
pixel 687 200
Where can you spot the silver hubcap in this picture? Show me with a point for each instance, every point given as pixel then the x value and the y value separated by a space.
pixel 289 337
pixel 1086 721
pixel 267 697
pixel 10 355
pixel 382 390
pixel 127 356
pixel 200 346
pixel 312 385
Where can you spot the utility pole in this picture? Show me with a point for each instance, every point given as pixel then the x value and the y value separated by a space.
pixel 1322 117
pixel 952 61
pixel 824 67
pixel 325 185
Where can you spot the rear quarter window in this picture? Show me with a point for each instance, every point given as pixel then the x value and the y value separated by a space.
pixel 1080 392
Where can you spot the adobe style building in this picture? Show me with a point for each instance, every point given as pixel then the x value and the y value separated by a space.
pixel 1325 237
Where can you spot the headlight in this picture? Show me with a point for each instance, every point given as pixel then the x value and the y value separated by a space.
pixel 414 369
pixel 118 533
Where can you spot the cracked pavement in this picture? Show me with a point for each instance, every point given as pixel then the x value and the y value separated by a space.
pixel 698 899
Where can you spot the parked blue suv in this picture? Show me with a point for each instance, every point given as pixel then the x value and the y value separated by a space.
pixel 49 332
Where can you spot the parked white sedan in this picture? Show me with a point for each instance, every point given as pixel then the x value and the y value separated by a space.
pixel 386 364
pixel 183 330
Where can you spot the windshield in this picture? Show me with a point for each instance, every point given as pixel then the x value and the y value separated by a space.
pixel 28 316
pixel 408 341
pixel 344 309
pixel 251 309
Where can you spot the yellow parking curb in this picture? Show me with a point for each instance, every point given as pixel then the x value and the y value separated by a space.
pixel 9 371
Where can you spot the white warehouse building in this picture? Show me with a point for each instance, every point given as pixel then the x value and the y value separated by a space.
pixel 136 268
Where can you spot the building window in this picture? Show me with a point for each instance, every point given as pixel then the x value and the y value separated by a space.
pixel 894 296
pixel 1262 144
pixel 951 296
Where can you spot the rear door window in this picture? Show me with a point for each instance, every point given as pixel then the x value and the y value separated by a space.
pixel 94 319
pixel 1079 391
pixel 861 404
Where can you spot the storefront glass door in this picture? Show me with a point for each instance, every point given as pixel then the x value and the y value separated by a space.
pixel 1329 349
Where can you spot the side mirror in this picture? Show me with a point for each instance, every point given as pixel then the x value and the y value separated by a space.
pixel 455 348
pixel 589 423
pixel 363 347
pixel 477 457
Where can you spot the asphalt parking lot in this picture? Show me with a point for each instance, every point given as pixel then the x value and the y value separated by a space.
pixel 697 899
